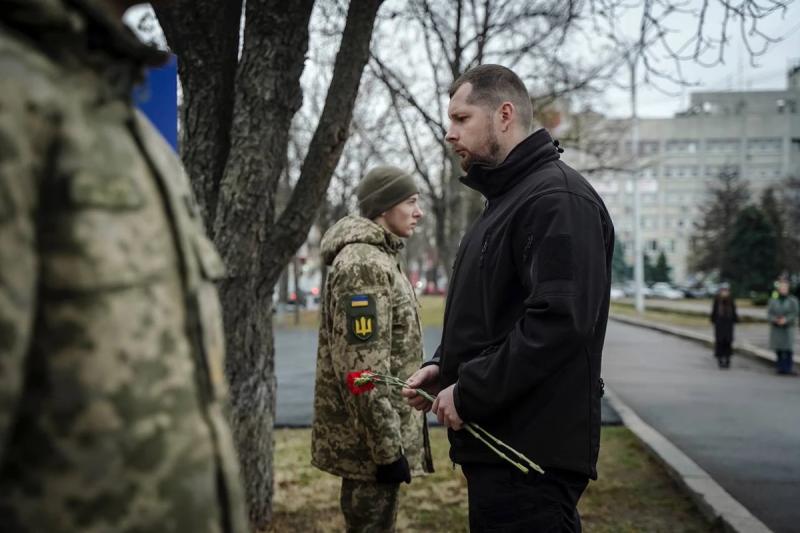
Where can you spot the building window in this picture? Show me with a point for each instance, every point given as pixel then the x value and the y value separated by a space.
pixel 765 145
pixel 681 171
pixel 712 171
pixel 681 146
pixel 648 147
pixel 765 172
pixel 723 146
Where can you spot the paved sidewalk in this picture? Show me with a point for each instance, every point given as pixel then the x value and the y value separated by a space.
pixel 750 339
pixel 742 425
pixel 697 308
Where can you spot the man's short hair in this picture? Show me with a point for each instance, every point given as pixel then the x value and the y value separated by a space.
pixel 494 84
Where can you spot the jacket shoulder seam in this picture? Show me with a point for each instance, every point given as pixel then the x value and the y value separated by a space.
pixel 564 190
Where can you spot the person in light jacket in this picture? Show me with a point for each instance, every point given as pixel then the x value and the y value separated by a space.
pixel 782 315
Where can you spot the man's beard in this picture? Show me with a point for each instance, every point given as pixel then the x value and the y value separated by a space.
pixel 489 158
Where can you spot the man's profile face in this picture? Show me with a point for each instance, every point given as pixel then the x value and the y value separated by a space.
pixel 472 131
pixel 402 219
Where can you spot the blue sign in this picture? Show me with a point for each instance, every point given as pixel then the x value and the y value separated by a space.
pixel 157 97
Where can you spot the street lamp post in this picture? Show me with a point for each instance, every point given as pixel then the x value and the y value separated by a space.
pixel 638 264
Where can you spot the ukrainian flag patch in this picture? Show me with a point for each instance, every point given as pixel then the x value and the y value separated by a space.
pixel 359 300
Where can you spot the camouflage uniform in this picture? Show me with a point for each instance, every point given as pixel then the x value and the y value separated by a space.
pixel 353 434
pixel 111 349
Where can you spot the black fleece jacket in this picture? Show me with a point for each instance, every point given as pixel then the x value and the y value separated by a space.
pixel 526 311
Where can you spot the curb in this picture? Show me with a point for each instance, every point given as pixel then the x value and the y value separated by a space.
pixel 742 348
pixel 718 506
pixel 745 316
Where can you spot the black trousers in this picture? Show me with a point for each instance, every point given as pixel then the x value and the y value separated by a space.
pixel 503 499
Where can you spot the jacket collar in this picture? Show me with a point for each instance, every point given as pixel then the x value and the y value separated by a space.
pixel 357 229
pixel 538 148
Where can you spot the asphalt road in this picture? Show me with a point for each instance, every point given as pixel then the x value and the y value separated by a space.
pixel 295 363
pixel 741 425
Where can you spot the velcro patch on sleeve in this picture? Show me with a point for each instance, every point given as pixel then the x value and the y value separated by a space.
pixel 362 318
pixel 555 258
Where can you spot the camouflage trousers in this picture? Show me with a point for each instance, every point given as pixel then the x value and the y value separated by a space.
pixel 369 507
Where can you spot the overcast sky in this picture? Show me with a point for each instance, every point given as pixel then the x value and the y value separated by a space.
pixel 736 74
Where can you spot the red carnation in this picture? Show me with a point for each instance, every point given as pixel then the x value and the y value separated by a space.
pixel 360 381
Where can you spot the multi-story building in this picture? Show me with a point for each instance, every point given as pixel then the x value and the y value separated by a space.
pixel 756 133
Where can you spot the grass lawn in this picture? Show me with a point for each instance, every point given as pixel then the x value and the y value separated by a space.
pixel 741 303
pixel 674 318
pixel 432 310
pixel 633 493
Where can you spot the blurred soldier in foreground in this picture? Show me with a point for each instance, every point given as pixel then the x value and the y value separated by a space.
pixel 111 349
pixel 370 321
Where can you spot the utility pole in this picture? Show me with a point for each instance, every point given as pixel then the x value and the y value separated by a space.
pixel 638 264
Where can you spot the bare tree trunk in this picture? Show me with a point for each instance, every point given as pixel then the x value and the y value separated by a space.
pixel 205 36
pixel 242 125
pixel 267 96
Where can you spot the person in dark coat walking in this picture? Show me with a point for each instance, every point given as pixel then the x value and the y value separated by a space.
pixel 723 316
pixel 525 316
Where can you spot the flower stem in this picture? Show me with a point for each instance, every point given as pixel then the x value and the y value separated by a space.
pixel 503 444
pixel 470 427
pixel 478 436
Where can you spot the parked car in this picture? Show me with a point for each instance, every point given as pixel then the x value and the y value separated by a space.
pixel 666 291
pixel 630 290
pixel 617 293
pixel 695 291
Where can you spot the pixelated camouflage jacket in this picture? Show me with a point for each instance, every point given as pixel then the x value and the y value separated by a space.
pixel 370 320
pixel 111 349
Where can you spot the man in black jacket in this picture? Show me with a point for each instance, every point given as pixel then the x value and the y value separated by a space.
pixel 526 314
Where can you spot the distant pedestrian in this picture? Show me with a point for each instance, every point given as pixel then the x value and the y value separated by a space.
pixel 370 320
pixel 782 314
pixel 723 316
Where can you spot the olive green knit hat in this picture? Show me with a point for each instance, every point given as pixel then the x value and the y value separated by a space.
pixel 382 188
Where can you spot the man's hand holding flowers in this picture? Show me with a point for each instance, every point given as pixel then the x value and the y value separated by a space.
pixel 427 379
pixel 445 409
pixel 362 381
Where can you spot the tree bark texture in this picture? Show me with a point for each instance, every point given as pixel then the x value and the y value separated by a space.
pixel 204 34
pixel 240 124
pixel 267 95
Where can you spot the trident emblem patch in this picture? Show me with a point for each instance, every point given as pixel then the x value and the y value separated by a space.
pixel 362 318
pixel 362 327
